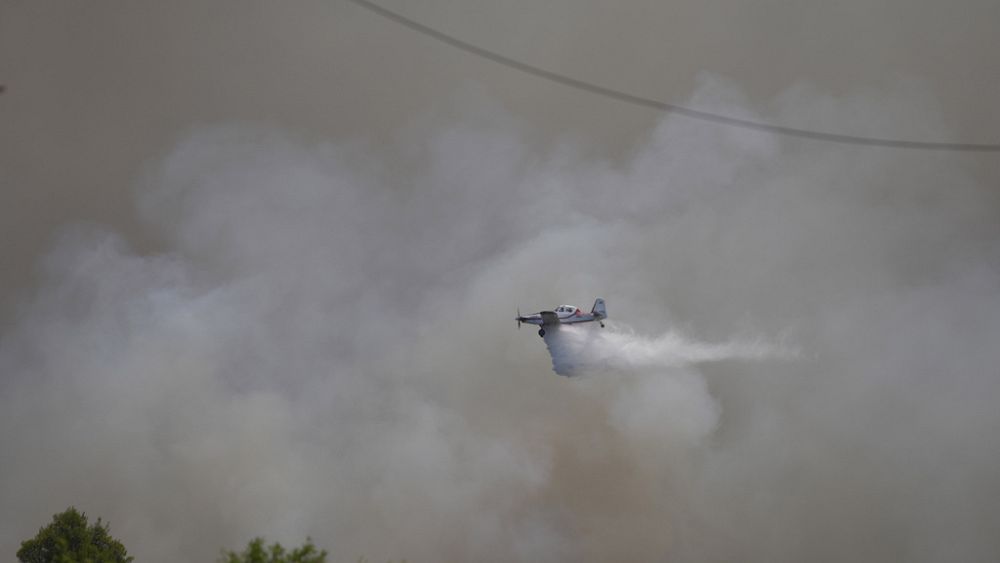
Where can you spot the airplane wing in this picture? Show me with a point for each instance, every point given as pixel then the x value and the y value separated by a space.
pixel 549 318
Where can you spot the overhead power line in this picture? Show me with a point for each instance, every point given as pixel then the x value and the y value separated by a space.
pixel 664 106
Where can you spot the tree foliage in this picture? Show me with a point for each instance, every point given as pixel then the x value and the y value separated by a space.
pixel 68 539
pixel 257 552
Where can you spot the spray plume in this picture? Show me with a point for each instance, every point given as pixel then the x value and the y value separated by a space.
pixel 577 350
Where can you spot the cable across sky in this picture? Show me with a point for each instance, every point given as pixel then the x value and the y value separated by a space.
pixel 648 103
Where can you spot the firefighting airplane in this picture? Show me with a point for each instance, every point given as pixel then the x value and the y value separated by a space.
pixel 564 314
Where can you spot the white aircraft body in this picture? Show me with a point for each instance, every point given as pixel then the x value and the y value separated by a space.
pixel 564 314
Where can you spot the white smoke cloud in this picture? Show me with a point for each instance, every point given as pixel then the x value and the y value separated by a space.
pixel 326 348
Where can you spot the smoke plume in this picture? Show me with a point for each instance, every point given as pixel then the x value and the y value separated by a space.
pixel 326 348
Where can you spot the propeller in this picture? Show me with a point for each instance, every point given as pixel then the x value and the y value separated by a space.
pixel 518 318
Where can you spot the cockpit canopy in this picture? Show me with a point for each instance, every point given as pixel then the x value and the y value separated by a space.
pixel 565 309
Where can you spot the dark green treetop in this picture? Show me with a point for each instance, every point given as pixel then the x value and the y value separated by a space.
pixel 257 552
pixel 68 539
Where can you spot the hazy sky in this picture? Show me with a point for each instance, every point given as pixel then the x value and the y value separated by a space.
pixel 262 262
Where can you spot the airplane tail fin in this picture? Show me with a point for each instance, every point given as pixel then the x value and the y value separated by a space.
pixel 599 309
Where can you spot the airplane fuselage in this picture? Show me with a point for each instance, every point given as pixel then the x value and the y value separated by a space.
pixel 565 314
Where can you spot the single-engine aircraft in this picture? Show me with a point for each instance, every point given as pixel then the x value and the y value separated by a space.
pixel 564 314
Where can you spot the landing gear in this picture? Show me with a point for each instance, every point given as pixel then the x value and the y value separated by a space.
pixel 541 332
pixel 602 325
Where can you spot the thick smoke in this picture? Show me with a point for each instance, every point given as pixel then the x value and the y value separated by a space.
pixel 327 349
